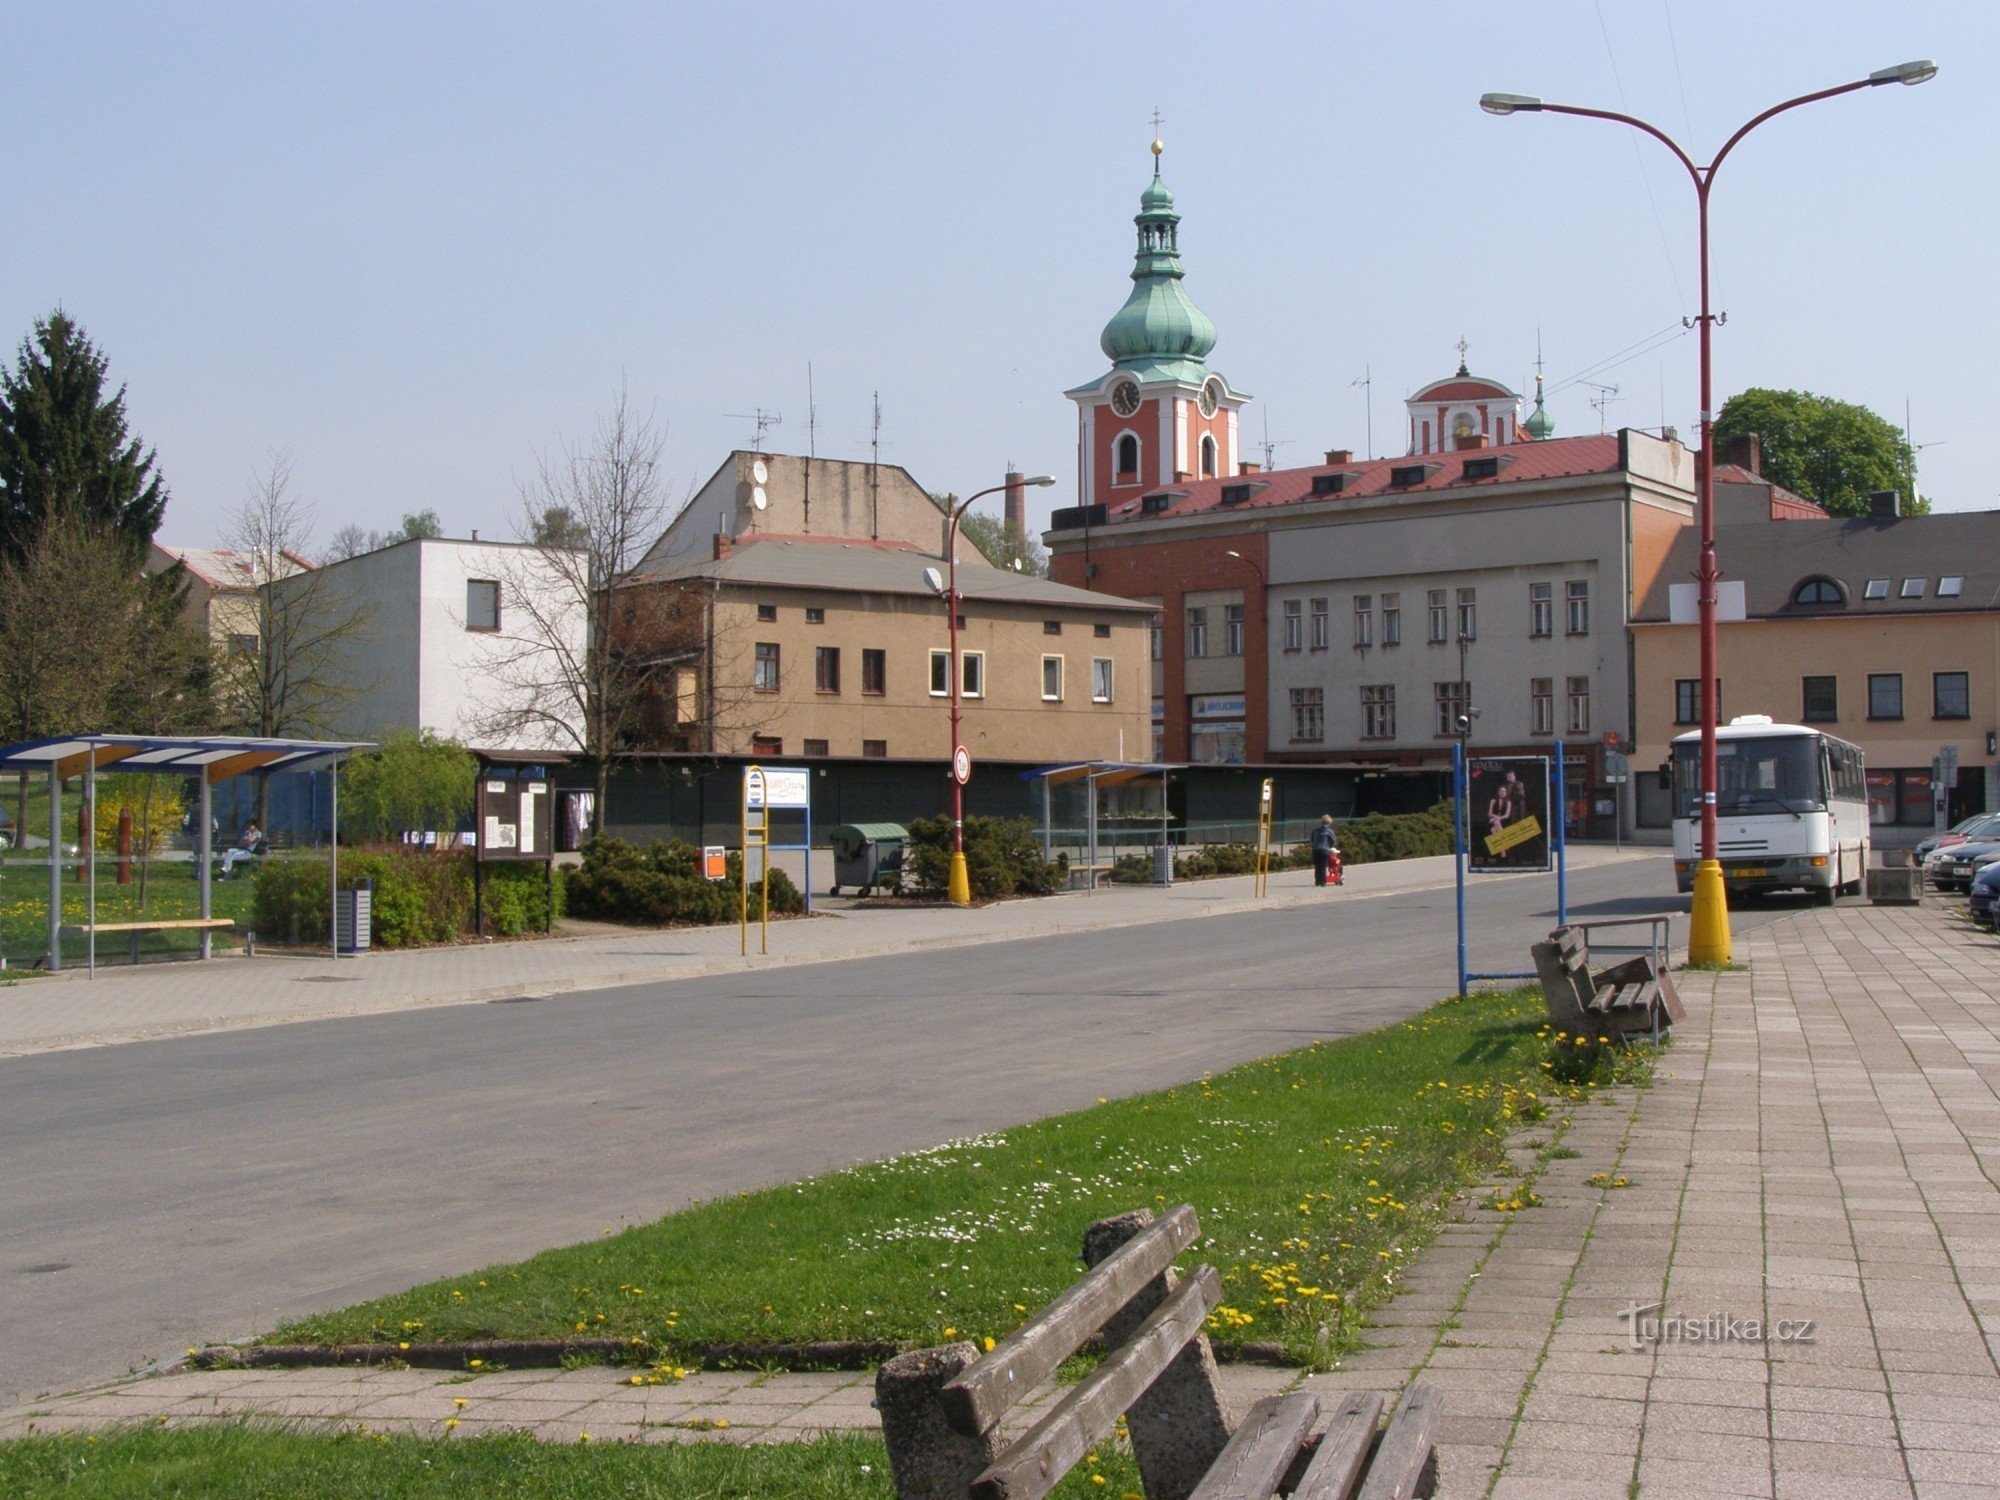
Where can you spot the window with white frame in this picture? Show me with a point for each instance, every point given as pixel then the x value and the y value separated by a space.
pixel 1450 697
pixel 1541 609
pixel 1378 711
pixel 1321 629
pixel 1052 673
pixel 972 673
pixel 1542 705
pixel 940 674
pixel 1440 617
pixel 1579 705
pixel 1294 614
pixel 1100 679
pixel 1197 628
pixel 1232 630
pixel 1577 594
pixel 1392 619
pixel 1156 631
pixel 765 678
pixel 1468 614
pixel 1364 619
pixel 1308 713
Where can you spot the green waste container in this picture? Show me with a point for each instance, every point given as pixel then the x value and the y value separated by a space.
pixel 869 856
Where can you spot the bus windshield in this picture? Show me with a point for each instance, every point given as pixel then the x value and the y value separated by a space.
pixel 1764 774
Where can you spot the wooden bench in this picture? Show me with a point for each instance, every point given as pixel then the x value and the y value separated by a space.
pixel 1621 1001
pixel 942 1408
pixel 136 929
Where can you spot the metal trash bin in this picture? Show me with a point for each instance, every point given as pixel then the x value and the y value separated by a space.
pixel 1163 865
pixel 354 917
pixel 869 856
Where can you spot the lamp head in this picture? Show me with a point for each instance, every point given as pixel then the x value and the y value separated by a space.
pixel 1042 481
pixel 1507 104
pixel 1923 70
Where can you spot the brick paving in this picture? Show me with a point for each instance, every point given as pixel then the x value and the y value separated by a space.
pixel 1821 1143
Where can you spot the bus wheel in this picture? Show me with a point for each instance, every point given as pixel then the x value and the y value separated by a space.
pixel 1826 895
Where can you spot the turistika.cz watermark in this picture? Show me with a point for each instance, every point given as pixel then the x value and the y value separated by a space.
pixel 1646 1326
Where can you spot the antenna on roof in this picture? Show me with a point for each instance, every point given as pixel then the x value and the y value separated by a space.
pixel 1367 383
pixel 812 443
pixel 875 473
pixel 1606 396
pixel 1270 445
pixel 764 419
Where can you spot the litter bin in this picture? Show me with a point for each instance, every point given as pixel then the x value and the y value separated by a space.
pixel 1163 865
pixel 354 917
pixel 868 855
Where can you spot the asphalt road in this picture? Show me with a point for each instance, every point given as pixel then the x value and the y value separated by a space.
pixel 162 1194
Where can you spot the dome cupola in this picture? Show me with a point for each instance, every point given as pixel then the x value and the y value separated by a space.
pixel 1159 321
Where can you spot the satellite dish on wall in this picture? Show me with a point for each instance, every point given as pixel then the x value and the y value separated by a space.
pixel 757 496
pixel 935 579
pixel 759 471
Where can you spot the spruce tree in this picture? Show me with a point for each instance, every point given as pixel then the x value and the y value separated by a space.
pixel 65 453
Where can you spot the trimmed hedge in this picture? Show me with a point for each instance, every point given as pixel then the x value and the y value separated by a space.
pixel 420 896
pixel 1363 841
pixel 1003 857
pixel 663 884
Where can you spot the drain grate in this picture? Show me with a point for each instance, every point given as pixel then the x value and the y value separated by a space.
pixel 517 1000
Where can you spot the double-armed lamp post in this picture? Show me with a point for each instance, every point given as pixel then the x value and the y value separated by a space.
pixel 1708 932
pixel 958 888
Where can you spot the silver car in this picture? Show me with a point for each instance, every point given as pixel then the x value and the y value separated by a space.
pixel 1952 867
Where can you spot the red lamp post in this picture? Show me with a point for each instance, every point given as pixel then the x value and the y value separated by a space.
pixel 958 887
pixel 1708 934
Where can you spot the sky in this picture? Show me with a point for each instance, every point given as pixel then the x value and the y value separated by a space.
pixel 413 245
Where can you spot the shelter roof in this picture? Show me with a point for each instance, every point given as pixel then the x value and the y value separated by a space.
pixel 1104 772
pixel 218 757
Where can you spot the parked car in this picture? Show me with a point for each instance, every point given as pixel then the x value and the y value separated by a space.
pixel 1952 868
pixel 1965 831
pixel 1984 895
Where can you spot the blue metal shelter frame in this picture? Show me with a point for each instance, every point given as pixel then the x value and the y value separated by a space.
pixel 1462 840
pixel 210 759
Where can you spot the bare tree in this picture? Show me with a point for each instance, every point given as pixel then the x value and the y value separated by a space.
pixel 350 541
pixel 300 668
pixel 570 669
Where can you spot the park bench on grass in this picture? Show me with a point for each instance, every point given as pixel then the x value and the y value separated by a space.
pixel 137 929
pixel 942 1408
pixel 1621 1001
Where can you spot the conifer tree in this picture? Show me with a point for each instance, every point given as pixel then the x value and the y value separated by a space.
pixel 65 453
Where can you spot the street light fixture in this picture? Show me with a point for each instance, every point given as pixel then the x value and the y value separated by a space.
pixel 1708 932
pixel 958 886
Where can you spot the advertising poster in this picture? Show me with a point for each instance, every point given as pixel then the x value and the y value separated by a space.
pixel 1507 814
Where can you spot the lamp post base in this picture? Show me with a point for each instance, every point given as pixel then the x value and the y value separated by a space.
pixel 958 887
pixel 1708 929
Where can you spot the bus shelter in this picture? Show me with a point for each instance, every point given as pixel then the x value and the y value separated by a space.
pixel 209 760
pixel 1093 776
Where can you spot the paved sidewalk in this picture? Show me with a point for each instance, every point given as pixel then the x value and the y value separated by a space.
pixel 124 1004
pixel 1821 1143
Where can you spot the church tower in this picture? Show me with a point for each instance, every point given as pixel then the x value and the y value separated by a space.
pixel 1160 416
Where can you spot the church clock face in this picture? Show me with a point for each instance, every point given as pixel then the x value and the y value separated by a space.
pixel 1211 397
pixel 1125 398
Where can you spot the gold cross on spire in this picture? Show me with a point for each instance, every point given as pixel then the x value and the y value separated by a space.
pixel 1158 145
pixel 1462 347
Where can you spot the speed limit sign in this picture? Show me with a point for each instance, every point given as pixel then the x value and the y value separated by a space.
pixel 961 765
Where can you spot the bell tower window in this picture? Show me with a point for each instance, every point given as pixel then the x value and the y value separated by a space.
pixel 1127 458
pixel 1207 456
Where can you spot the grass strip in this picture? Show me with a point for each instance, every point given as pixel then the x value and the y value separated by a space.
pixel 233 1462
pixel 1317 1174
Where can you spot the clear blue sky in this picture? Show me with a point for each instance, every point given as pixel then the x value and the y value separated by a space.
pixel 415 243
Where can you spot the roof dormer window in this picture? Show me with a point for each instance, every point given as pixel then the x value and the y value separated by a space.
pixel 1818 593
pixel 1152 505
pixel 1876 588
pixel 1407 474
pixel 1913 588
pixel 1235 494
pixel 1328 484
pixel 1951 586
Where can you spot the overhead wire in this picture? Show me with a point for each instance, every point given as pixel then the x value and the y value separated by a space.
pixel 1639 156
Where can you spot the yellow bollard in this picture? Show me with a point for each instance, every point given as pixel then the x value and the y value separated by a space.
pixel 1708 929
pixel 958 887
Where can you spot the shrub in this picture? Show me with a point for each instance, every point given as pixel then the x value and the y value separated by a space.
pixel 620 882
pixel 415 781
pixel 418 896
pixel 1003 857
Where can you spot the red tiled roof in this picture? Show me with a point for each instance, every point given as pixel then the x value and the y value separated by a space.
pixel 1463 390
pixel 1553 458
pixel 1782 499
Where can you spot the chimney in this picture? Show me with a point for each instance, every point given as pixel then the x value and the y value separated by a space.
pixel 724 544
pixel 1885 505
pixel 1337 456
pixel 1471 440
pixel 1249 468
pixel 1016 502
pixel 1746 451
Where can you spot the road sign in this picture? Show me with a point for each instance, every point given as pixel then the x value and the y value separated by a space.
pixel 961 765
pixel 1617 768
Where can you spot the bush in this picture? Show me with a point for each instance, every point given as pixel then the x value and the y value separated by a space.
pixel 662 884
pixel 419 896
pixel 1003 857
pixel 1381 836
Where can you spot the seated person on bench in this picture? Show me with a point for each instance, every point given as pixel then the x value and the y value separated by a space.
pixel 245 849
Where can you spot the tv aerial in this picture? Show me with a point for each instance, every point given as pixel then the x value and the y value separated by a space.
pixel 1605 396
pixel 764 419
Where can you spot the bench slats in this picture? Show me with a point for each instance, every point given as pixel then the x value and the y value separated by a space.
pixel 1343 1450
pixel 213 924
pixel 1088 1414
pixel 1405 1458
pixel 1031 1353
pixel 1261 1450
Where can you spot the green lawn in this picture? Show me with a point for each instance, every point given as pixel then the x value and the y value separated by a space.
pixel 237 1463
pixel 171 891
pixel 1317 1175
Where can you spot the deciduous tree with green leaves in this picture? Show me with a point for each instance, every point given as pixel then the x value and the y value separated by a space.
pixel 1832 452
pixel 65 453
pixel 416 782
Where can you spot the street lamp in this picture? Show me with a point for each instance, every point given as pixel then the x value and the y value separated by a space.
pixel 1708 932
pixel 958 887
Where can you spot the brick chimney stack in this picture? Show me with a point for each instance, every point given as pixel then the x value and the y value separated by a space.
pixel 1746 451
pixel 1016 504
pixel 724 544
pixel 1336 456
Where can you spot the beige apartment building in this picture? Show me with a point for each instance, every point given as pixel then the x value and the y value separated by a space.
pixel 1884 632
pixel 222 594
pixel 828 643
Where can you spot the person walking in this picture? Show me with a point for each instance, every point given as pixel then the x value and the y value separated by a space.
pixel 1325 850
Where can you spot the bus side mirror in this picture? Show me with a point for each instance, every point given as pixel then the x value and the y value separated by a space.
pixel 1666 776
